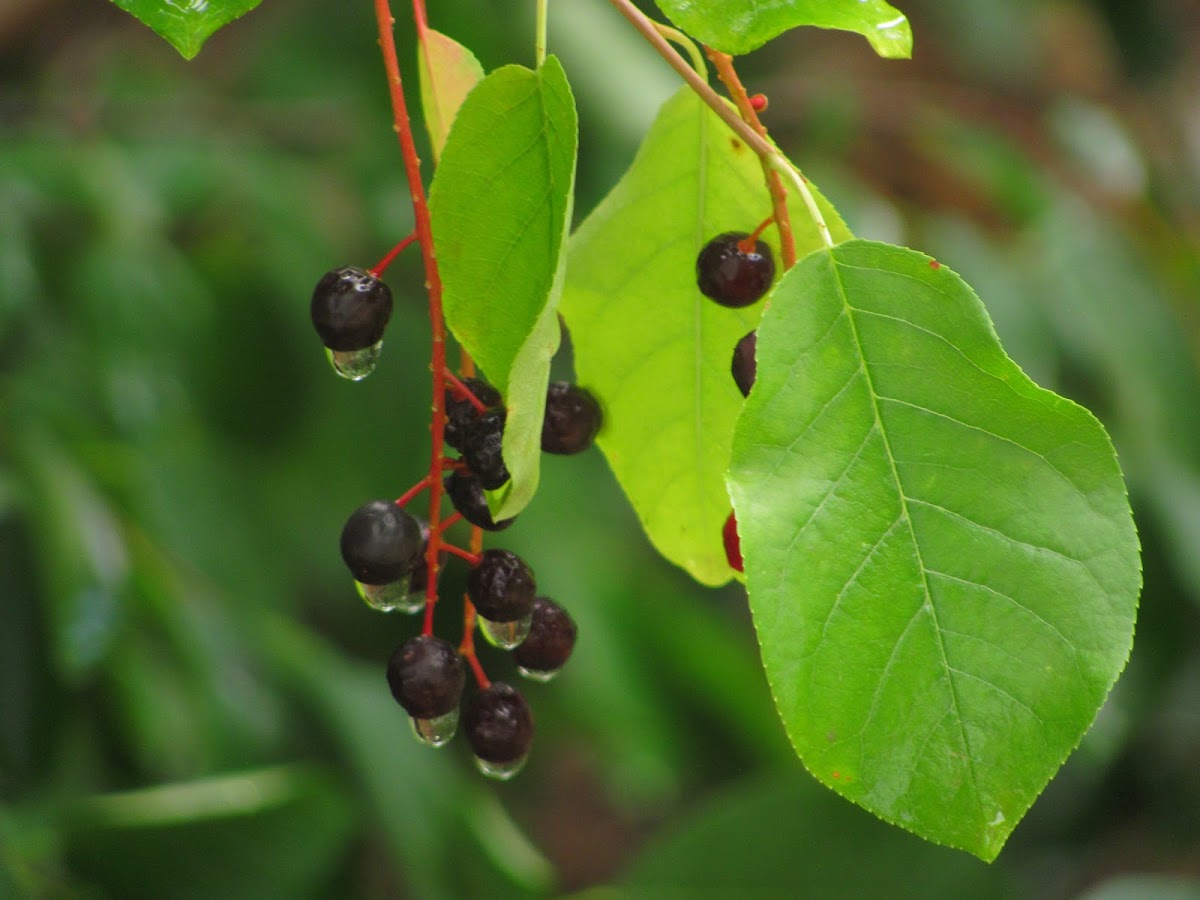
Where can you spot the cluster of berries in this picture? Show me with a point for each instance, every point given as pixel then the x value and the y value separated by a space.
pixel 736 269
pixel 386 548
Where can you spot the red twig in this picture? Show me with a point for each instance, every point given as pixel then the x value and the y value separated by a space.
pixel 378 269
pixel 463 392
pixel 472 558
pixel 421 485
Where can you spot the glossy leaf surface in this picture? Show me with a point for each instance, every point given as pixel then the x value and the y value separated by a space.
pixel 501 207
pixel 187 24
pixel 940 556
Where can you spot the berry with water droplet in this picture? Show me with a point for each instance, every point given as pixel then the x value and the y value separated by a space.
pixel 733 544
pixel 549 643
pixel 502 586
pixel 350 308
pixel 571 420
pixel 380 543
pixel 731 275
pixel 461 412
pixel 499 727
pixel 482 449
pixel 744 368
pixel 426 676
pixel 466 493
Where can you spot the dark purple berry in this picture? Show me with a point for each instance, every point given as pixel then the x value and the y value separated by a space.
pixel 501 586
pixel 744 367
pixel 350 308
pixel 572 418
pixel 380 542
pixel 481 449
pixel 426 676
pixel 466 493
pixel 460 412
pixel 731 276
pixel 418 579
pixel 499 724
pixel 550 640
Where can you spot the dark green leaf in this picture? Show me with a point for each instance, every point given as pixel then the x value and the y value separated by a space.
pixel 187 24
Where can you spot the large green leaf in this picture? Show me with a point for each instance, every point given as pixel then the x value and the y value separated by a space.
pixel 501 207
pixel 187 24
pixel 650 345
pixel 447 72
pixel 739 26
pixel 941 561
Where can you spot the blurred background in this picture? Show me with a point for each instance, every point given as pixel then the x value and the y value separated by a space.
pixel 192 700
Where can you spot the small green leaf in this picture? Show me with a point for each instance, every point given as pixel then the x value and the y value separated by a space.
pixel 186 24
pixel 941 561
pixel 650 345
pixel 501 206
pixel 739 26
pixel 447 72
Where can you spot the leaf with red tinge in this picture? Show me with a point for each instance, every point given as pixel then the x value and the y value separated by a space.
pixel 447 72
pixel 186 24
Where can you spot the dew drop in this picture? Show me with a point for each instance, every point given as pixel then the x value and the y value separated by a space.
pixel 354 364
pixel 542 675
pixel 438 731
pixel 392 597
pixel 501 771
pixel 505 635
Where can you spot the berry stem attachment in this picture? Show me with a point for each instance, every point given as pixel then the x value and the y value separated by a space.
pixel 421 485
pixel 460 390
pixel 674 34
pixel 472 558
pixel 380 267
pixel 747 245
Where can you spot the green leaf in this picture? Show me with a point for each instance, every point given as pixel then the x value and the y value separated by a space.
pixel 739 26
pixel 650 345
pixel 501 206
pixel 447 71
pixel 941 561
pixel 186 24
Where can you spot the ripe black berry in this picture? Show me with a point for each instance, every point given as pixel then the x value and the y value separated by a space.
pixel 744 368
pixel 481 449
pixel 380 542
pixel 572 418
pixel 418 579
pixel 501 586
pixel 350 308
pixel 731 276
pixel 499 725
pixel 426 676
pixel 550 640
pixel 460 412
pixel 466 493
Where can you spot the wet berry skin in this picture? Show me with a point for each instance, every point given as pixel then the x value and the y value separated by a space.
pixel 380 543
pixel 502 586
pixel 744 367
pixel 418 579
pixel 730 276
pixel 350 308
pixel 551 638
pixel 461 413
pixel 466 493
pixel 499 724
pixel 426 676
pixel 481 449
pixel 572 418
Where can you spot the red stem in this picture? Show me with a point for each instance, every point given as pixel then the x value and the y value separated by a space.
pixel 472 558
pixel 433 284
pixel 463 392
pixel 467 647
pixel 413 491
pixel 378 269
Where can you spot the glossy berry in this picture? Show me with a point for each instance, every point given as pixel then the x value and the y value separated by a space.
pixel 350 308
pixel 744 368
pixel 731 276
pixel 418 579
pixel 460 412
pixel 426 676
pixel 380 543
pixel 571 420
pixel 733 544
pixel 499 724
pixel 481 449
pixel 501 586
pixel 466 493
pixel 550 640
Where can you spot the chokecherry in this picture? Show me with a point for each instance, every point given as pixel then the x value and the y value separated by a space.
pixel 426 676
pixel 731 275
pixel 502 586
pixel 350 308
pixel 380 543
pixel 744 368
pixel 499 727
pixel 549 643
pixel 481 449
pixel 571 420
pixel 466 493
pixel 461 412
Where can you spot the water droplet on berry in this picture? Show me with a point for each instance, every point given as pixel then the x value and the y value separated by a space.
pixel 501 771
pixel 438 731
pixel 541 675
pixel 505 635
pixel 354 364
pixel 392 597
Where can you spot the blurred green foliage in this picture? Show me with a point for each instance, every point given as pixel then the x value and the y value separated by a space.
pixel 191 696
